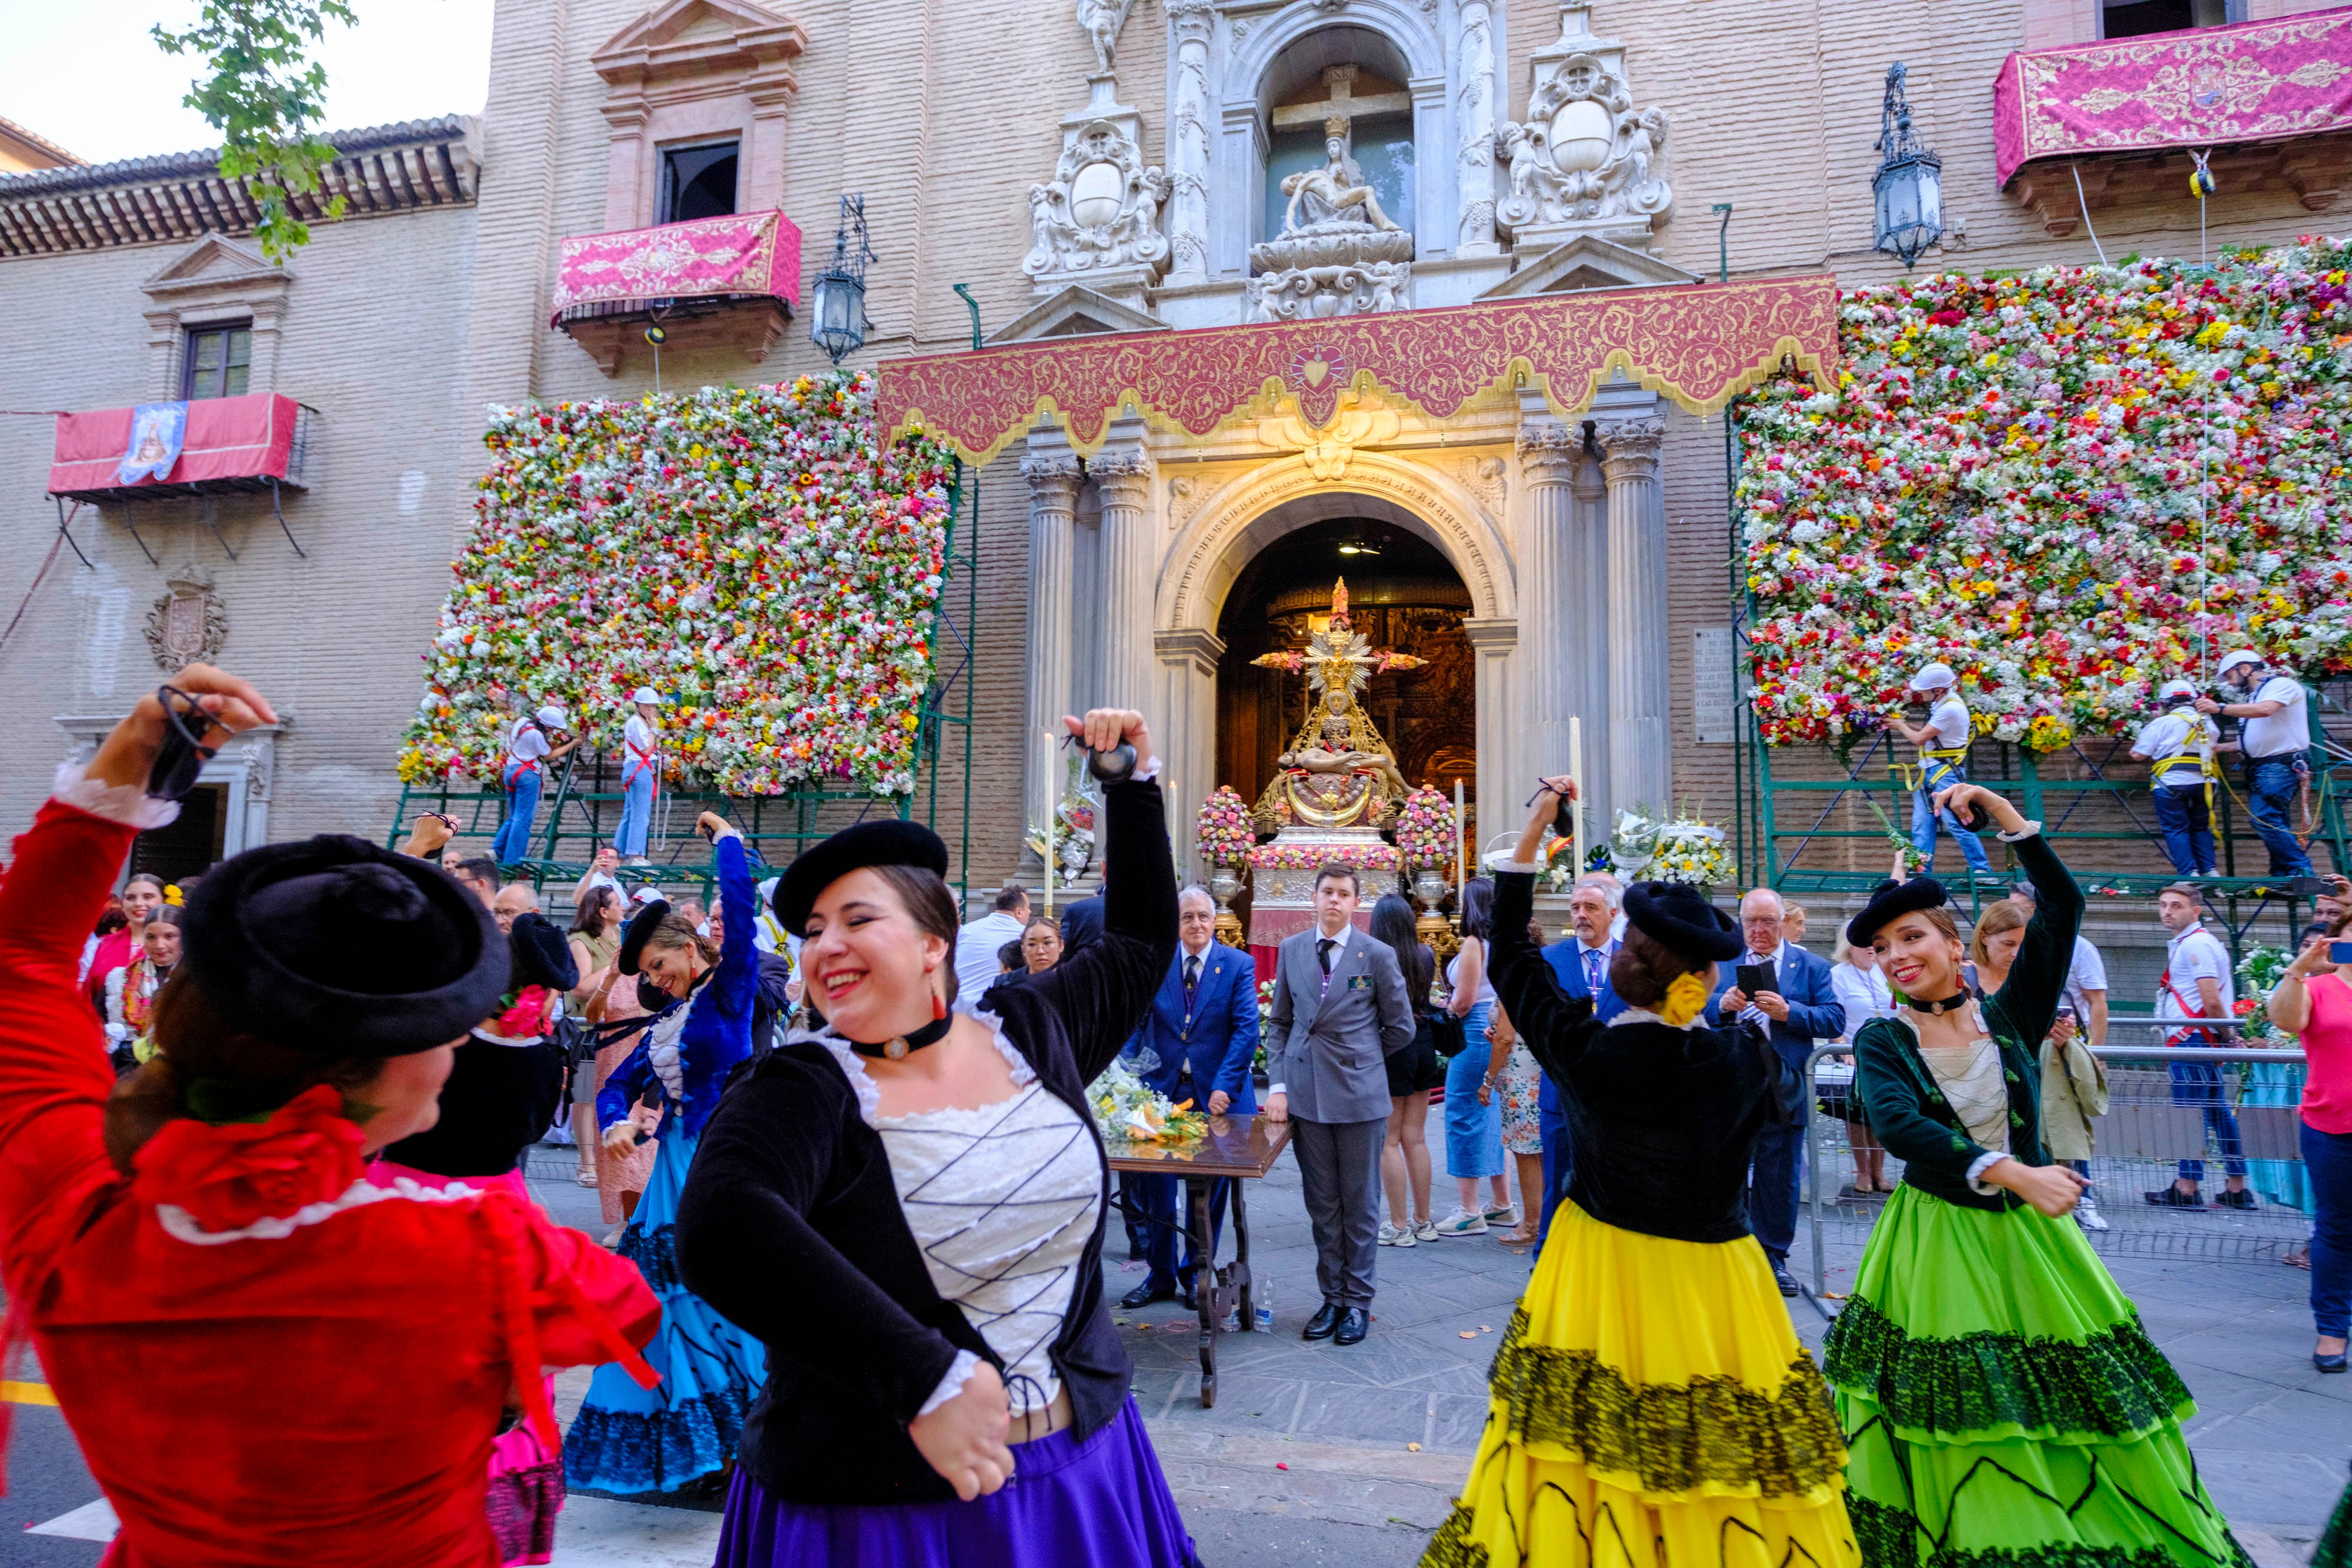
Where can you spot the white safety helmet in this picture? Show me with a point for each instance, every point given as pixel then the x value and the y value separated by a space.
pixel 2175 687
pixel 2242 656
pixel 552 716
pixel 1934 677
pixel 646 695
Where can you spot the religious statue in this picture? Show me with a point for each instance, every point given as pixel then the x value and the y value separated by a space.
pixel 1339 773
pixel 1335 193
pixel 1102 19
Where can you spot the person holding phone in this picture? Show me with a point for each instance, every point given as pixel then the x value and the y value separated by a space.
pixel 2000 1399
pixel 2313 1001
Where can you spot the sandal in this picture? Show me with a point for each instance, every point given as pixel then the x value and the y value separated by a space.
pixel 1524 1235
pixel 585 1179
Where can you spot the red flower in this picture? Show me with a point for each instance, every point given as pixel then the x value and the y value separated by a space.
pixel 229 1177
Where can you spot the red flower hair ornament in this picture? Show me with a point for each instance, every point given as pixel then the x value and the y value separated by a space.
pixel 226 1177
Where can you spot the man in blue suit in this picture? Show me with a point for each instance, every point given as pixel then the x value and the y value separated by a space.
pixel 1203 1031
pixel 1802 1008
pixel 1581 961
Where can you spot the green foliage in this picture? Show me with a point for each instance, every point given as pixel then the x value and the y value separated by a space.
pixel 265 96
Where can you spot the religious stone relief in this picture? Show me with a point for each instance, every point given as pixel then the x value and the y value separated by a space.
pixel 1100 211
pixel 1310 293
pixel 1337 254
pixel 189 624
pixel 1584 161
pixel 1102 19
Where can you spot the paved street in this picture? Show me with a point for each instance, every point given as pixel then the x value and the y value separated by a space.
pixel 1307 1461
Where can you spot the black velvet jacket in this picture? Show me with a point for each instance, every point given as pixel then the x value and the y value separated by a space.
pixel 498 1102
pixel 789 1225
pixel 1662 1119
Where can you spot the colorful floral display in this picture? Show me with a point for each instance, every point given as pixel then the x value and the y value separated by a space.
pixel 1129 1111
pixel 1425 828
pixel 2070 485
pixel 1072 832
pixel 2258 976
pixel 1280 856
pixel 1223 828
pixel 751 554
pixel 1684 849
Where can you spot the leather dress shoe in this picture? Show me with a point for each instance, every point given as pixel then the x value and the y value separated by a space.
pixel 1786 1281
pixel 1354 1324
pixel 1324 1322
pixel 2328 1362
pixel 1146 1293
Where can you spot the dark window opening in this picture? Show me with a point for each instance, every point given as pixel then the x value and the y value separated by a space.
pixel 2138 18
pixel 218 362
pixel 192 844
pixel 699 182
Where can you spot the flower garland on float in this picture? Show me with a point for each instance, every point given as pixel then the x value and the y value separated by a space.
pixel 2021 475
pixel 1223 829
pixel 1424 830
pixel 751 553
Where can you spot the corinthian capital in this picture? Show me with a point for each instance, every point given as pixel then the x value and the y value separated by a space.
pixel 1052 475
pixel 1549 453
pixel 1629 447
pixel 1124 474
pixel 1192 19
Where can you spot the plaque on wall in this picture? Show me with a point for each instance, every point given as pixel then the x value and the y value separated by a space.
pixel 1716 686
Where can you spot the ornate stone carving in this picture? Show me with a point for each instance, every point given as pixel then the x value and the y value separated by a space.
pixel 1485 478
pixel 1102 19
pixel 1101 211
pixel 1189 142
pixel 1313 293
pixel 1549 453
pixel 1186 492
pixel 1046 471
pixel 1630 448
pixel 189 624
pixel 1474 122
pixel 1584 161
pixel 1334 219
pixel 1328 450
pixel 1124 477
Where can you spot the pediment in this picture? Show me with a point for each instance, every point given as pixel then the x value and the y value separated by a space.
pixel 1076 311
pixel 1587 263
pixel 699 34
pixel 213 261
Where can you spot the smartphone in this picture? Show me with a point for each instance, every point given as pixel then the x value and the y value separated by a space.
pixel 2311 887
pixel 1754 979
pixel 2339 952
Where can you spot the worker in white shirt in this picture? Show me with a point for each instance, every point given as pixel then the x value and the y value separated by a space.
pixel 2274 732
pixel 640 775
pixel 2180 748
pixel 2198 983
pixel 535 742
pixel 1943 743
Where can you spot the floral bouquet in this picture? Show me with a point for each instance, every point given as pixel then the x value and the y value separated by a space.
pixel 1067 842
pixel 1129 1111
pixel 1223 828
pixel 1560 864
pixel 1681 849
pixel 1425 828
pixel 1279 856
pixel 2258 976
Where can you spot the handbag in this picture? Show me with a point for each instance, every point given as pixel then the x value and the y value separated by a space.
pixel 1449 1034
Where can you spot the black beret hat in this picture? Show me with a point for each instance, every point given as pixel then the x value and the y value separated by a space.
pixel 640 927
pixel 336 947
pixel 543 954
pixel 1890 901
pixel 1676 917
pixel 886 841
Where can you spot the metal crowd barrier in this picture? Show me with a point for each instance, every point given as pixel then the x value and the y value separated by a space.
pixel 2152 1123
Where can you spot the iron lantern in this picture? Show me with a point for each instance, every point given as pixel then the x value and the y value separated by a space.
pixel 839 291
pixel 1908 189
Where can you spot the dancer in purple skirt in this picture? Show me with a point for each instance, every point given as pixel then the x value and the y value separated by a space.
pixel 905 1204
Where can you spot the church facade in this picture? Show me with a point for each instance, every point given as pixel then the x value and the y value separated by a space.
pixel 1156 175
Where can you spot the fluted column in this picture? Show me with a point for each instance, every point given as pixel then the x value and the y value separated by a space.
pixel 1124 477
pixel 1182 712
pixel 1640 768
pixel 1501 765
pixel 1189 142
pixel 1053 479
pixel 1549 455
pixel 1588 636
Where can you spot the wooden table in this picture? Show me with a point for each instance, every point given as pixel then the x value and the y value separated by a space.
pixel 1241 1149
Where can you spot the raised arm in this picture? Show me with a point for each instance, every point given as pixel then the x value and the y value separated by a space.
pixel 1556 1026
pixel 2037 977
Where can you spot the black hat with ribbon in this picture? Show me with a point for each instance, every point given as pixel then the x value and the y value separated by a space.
pixel 1677 918
pixel 640 928
pixel 1891 901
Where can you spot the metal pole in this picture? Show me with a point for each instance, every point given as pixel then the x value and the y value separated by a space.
pixel 1814 1168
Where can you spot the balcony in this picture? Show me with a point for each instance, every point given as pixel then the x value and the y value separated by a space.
pixel 2273 99
pixel 256 445
pixel 723 282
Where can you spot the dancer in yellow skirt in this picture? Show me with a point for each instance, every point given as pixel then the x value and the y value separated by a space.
pixel 1652 1408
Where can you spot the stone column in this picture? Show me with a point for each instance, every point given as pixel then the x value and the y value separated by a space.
pixel 1588 632
pixel 1473 131
pixel 1182 712
pixel 1549 453
pixel 1188 142
pixel 1432 217
pixel 1053 475
pixel 1124 475
pixel 1502 765
pixel 1640 768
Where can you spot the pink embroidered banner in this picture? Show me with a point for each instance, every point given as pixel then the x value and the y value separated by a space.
pixel 743 253
pixel 2252 81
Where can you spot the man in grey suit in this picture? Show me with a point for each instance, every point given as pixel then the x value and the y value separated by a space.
pixel 1340 1012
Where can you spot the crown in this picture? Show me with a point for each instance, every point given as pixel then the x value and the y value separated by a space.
pixel 1335 125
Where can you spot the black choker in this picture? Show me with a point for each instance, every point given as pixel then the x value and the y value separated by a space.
pixel 1948 1004
pixel 898 1046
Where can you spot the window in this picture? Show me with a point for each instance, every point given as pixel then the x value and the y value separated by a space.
pixel 697 181
pixel 218 362
pixel 2137 18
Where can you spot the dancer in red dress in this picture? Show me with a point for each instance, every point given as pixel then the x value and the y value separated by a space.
pixel 265 1358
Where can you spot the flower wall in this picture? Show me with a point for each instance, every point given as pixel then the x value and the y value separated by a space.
pixel 749 553
pixel 2017 477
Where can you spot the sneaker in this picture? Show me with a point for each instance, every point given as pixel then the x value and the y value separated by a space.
pixel 1424 1230
pixel 1460 1224
pixel 1783 1281
pixel 2173 1197
pixel 1506 1215
pixel 2242 1198
pixel 2087 1215
pixel 1396 1235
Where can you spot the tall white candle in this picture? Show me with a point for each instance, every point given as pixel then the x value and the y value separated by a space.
pixel 1461 861
pixel 1576 772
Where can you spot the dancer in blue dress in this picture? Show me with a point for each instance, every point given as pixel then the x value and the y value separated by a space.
pixel 627 1438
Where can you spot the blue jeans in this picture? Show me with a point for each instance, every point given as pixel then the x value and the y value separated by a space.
pixel 636 808
pixel 1925 819
pixel 2187 824
pixel 1473 1133
pixel 2199 1083
pixel 1559 1156
pixel 512 841
pixel 1168 1207
pixel 2276 783
pixel 2328 1164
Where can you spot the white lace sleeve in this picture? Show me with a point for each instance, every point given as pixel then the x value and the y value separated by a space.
pixel 124 803
pixel 959 1373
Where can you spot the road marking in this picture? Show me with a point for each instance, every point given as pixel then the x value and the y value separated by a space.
pixel 27 1393
pixel 91 1521
pixel 591 1532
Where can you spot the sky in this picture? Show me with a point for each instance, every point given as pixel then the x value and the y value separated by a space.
pixel 85 75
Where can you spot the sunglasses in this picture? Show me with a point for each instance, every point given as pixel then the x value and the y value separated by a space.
pixel 184 753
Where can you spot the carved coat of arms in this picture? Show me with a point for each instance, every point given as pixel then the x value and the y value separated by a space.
pixel 189 624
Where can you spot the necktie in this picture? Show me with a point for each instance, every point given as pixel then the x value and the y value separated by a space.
pixel 1191 973
pixel 1592 973
pixel 1323 946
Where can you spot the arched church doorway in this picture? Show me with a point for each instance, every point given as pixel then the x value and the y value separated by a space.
pixel 1402 595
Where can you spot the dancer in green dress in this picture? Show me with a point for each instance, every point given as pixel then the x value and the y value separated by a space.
pixel 2001 1404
